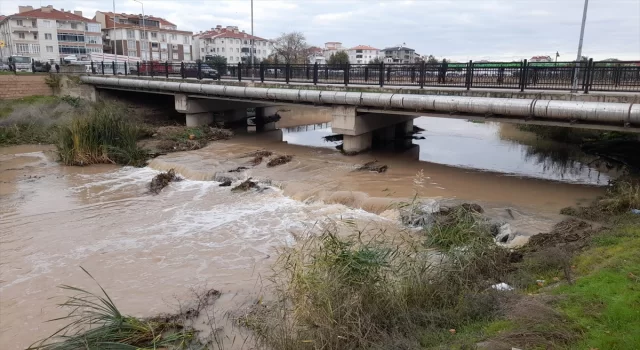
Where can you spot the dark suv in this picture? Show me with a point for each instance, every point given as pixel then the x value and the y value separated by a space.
pixel 206 71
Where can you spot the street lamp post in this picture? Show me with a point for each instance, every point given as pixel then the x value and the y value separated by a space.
pixel 252 44
pixel 144 29
pixel 574 86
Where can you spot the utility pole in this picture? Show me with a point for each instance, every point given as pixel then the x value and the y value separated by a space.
pixel 252 44
pixel 144 29
pixel 115 49
pixel 574 86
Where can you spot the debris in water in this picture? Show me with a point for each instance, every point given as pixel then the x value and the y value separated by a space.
pixel 162 180
pixel 417 129
pixel 472 207
pixel 245 186
pixel 279 160
pixel 334 138
pixel 226 183
pixel 256 160
pixel 262 153
pixel 238 169
pixel 372 166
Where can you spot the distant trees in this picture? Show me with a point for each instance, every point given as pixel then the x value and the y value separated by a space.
pixel 376 60
pixel 217 62
pixel 291 48
pixel 339 58
pixel 431 60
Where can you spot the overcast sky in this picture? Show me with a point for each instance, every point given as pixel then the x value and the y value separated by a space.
pixel 456 29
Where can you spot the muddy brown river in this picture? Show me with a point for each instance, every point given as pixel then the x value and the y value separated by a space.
pixel 150 251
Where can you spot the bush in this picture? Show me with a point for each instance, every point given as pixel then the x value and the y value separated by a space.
pixel 347 293
pixel 106 135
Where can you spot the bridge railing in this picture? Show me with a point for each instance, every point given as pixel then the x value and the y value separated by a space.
pixel 591 76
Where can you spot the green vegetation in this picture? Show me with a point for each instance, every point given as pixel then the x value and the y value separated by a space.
pixel 107 134
pixel 379 292
pixel 31 120
pixel 96 323
pixel 338 59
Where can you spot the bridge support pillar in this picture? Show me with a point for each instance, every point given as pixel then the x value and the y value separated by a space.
pixel 357 143
pixel 199 119
pixel 266 118
pixel 361 129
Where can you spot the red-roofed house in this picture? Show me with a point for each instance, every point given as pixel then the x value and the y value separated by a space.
pixel 363 54
pixel 541 59
pixel 150 38
pixel 47 34
pixel 231 43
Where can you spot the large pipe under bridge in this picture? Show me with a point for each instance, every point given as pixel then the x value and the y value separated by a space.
pixel 593 115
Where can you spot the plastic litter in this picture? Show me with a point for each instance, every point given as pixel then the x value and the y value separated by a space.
pixel 502 286
pixel 635 211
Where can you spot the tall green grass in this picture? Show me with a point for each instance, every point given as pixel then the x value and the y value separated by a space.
pixel 335 292
pixel 96 323
pixel 108 134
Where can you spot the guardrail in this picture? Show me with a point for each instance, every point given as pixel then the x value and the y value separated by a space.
pixel 623 76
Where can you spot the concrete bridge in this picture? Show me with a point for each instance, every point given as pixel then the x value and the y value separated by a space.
pixel 365 116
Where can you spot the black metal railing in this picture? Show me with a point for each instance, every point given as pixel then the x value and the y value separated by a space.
pixel 590 75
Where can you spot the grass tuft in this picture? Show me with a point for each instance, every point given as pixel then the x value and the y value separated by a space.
pixel 106 135
pixel 96 323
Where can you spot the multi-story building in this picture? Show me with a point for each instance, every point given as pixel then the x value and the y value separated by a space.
pixel 399 54
pixel 362 54
pixel 149 38
pixel 47 34
pixel 541 59
pixel 231 43
pixel 331 48
pixel 316 55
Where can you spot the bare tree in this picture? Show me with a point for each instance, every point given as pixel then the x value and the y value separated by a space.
pixel 292 47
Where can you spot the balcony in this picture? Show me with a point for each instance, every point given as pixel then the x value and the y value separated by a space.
pixel 24 28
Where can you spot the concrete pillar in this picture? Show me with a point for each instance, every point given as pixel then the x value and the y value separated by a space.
pixel 264 112
pixel 357 143
pixel 406 127
pixel 199 119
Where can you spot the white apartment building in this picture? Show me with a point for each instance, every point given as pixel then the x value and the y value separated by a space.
pixel 47 34
pixel 149 38
pixel 362 54
pixel 331 48
pixel 231 43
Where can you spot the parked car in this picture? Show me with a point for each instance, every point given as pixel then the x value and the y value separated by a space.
pixel 206 71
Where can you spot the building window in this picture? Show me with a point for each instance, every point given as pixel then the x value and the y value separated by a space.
pixel 35 48
pixel 47 36
pixel 154 45
pixel 22 48
pixel 245 42
pixel 131 43
pixel 49 48
pixel 93 40
pixel 34 24
pixel 19 22
pixel 163 37
pixel 175 56
pixel 132 53
pixel 131 34
pixel 185 39
pixel 154 35
pixel 144 35
pixel 223 49
pixel 144 45
pixel 74 25
pixel 35 36
pixel 46 24
pixel 20 35
pixel 93 27
pixel 63 49
pixel 222 41
pixel 70 37
pixel 202 49
pixel 174 37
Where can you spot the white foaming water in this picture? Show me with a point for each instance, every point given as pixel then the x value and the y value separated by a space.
pixel 143 249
